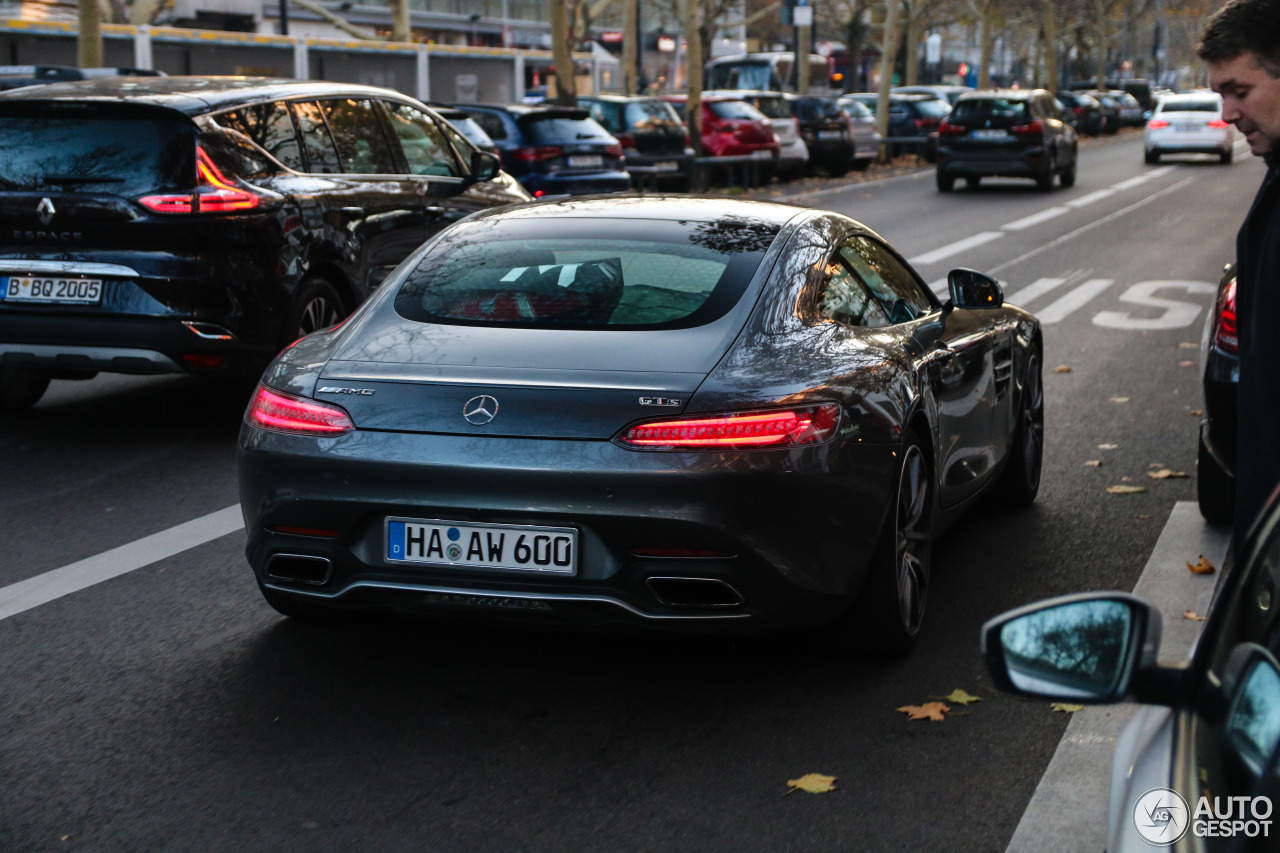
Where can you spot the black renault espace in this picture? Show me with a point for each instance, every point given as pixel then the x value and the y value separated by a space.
pixel 200 224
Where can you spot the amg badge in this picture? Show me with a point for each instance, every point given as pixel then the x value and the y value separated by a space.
pixel 334 389
pixel 659 401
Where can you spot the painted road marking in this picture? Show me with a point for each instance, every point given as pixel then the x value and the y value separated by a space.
pixel 1036 289
pixel 1086 200
pixel 1068 811
pixel 1177 313
pixel 1035 218
pixel 956 247
pixel 1073 301
pixel 54 584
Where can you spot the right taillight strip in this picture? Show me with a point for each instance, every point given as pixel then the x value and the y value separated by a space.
pixel 761 428
pixel 215 193
pixel 278 412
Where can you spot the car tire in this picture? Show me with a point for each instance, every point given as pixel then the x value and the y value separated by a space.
pixel 862 164
pixel 21 388
pixel 885 620
pixel 1215 488
pixel 1020 481
pixel 315 306
pixel 1044 181
pixel 973 181
pixel 1068 176
pixel 946 183
pixel 1226 157
pixel 1152 157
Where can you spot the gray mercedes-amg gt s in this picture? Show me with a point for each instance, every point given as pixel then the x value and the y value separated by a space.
pixel 665 412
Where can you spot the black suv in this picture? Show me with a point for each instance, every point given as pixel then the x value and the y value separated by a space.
pixel 1017 133
pixel 189 224
pixel 825 128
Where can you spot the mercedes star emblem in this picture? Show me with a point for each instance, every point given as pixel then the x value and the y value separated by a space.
pixel 45 211
pixel 480 410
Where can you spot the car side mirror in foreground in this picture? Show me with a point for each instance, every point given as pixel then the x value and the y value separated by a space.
pixel 484 166
pixel 972 289
pixel 1251 683
pixel 1088 648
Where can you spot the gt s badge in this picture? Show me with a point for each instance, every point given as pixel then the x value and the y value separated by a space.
pixel 334 389
pixel 659 401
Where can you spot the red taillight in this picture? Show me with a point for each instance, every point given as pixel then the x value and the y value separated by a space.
pixel 1156 124
pixel 1226 335
pixel 533 155
pixel 1035 128
pixel 626 140
pixel 199 361
pixel 763 428
pixel 1079 111
pixel 214 193
pixel 614 151
pixel 286 413
pixel 949 129
pixel 1218 124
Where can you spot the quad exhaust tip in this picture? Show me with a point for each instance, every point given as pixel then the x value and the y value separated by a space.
pixel 697 593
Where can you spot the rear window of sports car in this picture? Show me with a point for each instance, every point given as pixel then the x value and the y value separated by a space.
pixel 566 273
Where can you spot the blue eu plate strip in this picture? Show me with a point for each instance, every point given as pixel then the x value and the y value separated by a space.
pixel 395 540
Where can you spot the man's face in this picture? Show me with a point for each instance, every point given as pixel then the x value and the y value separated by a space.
pixel 1250 100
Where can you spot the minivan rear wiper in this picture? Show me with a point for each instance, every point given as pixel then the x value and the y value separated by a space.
pixel 79 179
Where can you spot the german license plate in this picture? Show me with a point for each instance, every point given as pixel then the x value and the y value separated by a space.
pixel 829 134
pixel 585 161
pixel 990 134
pixel 518 547
pixel 75 291
pixel 665 166
pixel 761 155
pixel 1188 128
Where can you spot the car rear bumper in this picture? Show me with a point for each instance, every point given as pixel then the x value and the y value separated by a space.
pixel 1175 142
pixel 743 514
pixel 1027 163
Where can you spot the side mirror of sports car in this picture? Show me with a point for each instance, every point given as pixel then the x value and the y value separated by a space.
pixel 972 289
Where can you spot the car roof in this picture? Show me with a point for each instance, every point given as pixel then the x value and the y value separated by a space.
pixel 522 110
pixel 743 93
pixel 189 95
pixel 1007 94
pixel 672 208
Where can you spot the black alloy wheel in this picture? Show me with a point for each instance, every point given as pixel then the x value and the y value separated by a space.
pixel 315 306
pixel 1152 157
pixel 885 620
pixel 1068 176
pixel 1020 481
pixel 1045 179
pixel 946 183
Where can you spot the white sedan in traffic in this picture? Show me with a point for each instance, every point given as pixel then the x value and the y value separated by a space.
pixel 1189 124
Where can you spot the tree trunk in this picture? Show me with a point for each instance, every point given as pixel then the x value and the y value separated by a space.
pixel 566 86
pixel 988 45
pixel 399 20
pixel 89 39
pixel 693 30
pixel 912 46
pixel 1051 46
pixel 802 60
pixel 1102 46
pixel 857 34
pixel 630 40
pixel 889 49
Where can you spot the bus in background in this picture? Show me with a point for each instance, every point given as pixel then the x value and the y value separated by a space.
pixel 770 72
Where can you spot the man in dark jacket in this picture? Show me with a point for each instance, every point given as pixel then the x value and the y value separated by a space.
pixel 1241 45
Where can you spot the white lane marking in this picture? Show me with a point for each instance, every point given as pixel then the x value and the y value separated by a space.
pixel 1036 289
pixel 1177 313
pixel 1078 777
pixel 1133 182
pixel 955 248
pixel 1086 200
pixel 1094 224
pixel 1163 170
pixel 1035 218
pixel 1073 301
pixel 41 589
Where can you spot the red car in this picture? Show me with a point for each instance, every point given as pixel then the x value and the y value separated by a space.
pixel 733 128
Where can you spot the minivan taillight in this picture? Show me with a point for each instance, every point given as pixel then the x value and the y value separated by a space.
pixel 1226 333
pixel 793 427
pixel 214 193
pixel 278 412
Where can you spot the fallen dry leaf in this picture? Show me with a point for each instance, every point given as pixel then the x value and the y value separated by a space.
pixel 1156 465
pixel 1093 463
pixel 1186 364
pixel 1203 567
pixel 928 711
pixel 1166 474
pixel 1126 490
pixel 1192 615
pixel 1197 412
pixel 1119 399
pixel 1143 516
pixel 1062 368
pixel 1126 479
pixel 1187 345
pixel 1066 707
pixel 1108 447
pixel 813 783
pixel 958 697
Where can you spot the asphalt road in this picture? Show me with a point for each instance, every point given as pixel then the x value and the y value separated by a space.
pixel 170 709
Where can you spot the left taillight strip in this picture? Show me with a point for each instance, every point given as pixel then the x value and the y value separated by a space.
pixel 278 412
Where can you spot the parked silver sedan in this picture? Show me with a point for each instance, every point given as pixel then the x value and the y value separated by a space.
pixel 862 128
